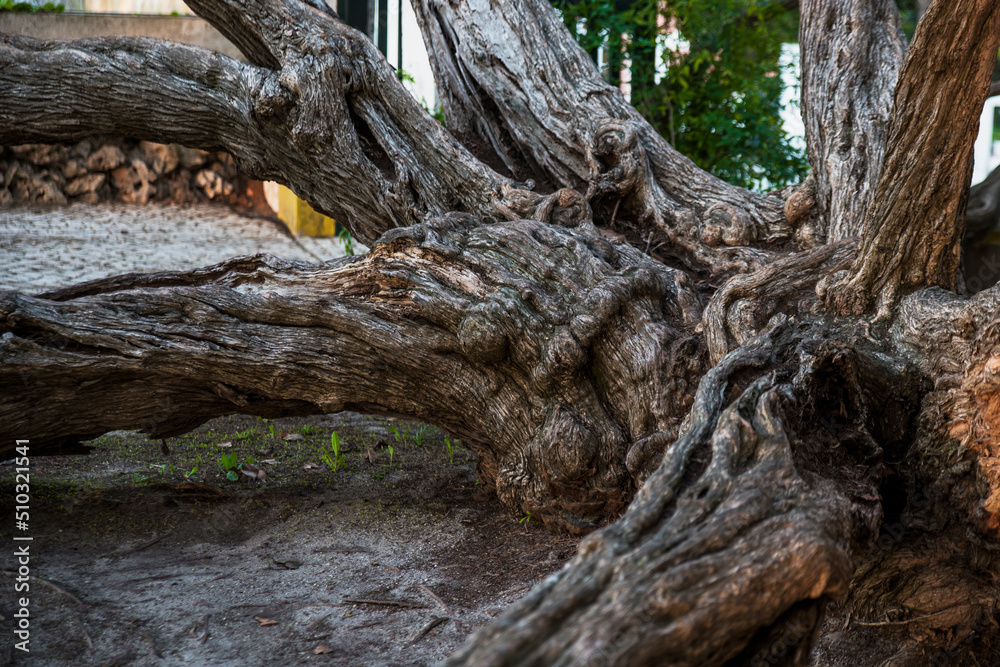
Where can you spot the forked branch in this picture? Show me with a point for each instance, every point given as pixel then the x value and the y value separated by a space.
pixel 913 228
pixel 322 112
pixel 537 102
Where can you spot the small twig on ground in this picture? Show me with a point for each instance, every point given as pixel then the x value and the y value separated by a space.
pixel 434 597
pixel 50 585
pixel 132 550
pixel 388 603
pixel 156 647
pixel 204 634
pixel 369 624
pixel 83 629
pixel 910 620
pixel 436 621
pixel 316 625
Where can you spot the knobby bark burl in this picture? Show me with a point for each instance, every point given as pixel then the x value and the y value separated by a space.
pixel 758 406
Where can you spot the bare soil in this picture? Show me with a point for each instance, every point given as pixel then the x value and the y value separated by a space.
pixel 144 558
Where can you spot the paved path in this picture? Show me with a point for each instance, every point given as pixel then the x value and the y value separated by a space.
pixel 42 248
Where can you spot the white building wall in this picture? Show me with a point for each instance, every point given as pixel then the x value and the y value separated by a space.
pixel 987 151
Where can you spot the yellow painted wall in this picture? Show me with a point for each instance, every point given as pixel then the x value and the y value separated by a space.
pixel 300 216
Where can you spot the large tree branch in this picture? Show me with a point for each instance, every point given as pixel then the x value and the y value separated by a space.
pixel 57 91
pixel 851 55
pixel 517 82
pixel 325 114
pixel 914 225
pixel 522 339
pixel 333 123
pixel 732 546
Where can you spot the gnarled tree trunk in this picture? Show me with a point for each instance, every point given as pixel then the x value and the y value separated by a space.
pixel 759 413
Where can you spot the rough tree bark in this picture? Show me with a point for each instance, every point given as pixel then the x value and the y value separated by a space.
pixel 628 344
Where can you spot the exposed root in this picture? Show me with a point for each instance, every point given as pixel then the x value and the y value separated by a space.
pixel 727 545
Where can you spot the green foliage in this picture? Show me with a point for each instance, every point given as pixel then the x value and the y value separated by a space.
pixel 11 6
pixel 230 464
pixel 719 99
pixel 451 450
pixel 332 457
pixel 346 240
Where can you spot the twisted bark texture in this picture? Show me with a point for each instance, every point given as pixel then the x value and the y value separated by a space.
pixel 535 101
pixel 685 370
pixel 516 337
pixel 851 57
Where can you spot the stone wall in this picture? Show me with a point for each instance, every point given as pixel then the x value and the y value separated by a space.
pixel 137 172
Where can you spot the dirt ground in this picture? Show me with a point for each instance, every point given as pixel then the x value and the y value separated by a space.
pixel 45 247
pixel 149 558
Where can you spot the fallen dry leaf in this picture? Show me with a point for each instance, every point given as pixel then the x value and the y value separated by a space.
pixel 293 436
pixel 264 622
pixel 225 444
pixel 322 648
pixel 270 462
pixel 253 472
pixel 309 466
